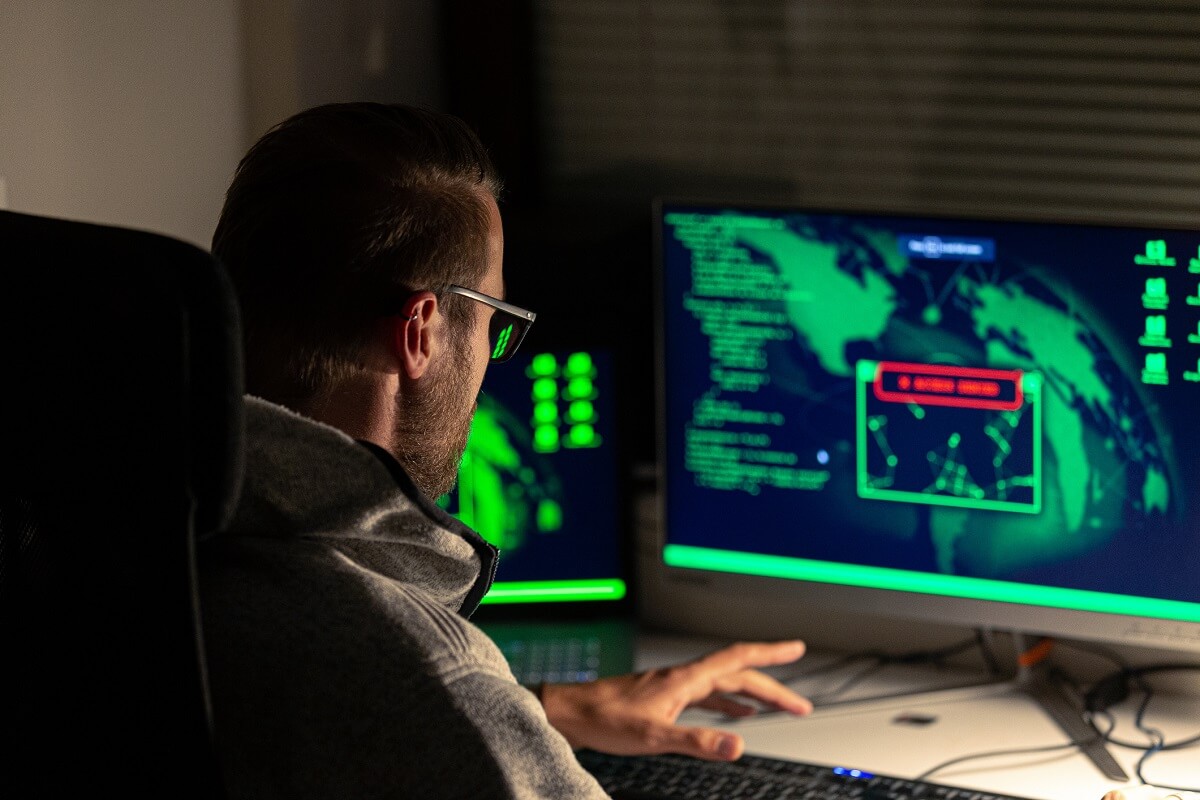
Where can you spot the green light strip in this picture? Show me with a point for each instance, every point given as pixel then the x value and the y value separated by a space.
pixel 555 591
pixel 677 555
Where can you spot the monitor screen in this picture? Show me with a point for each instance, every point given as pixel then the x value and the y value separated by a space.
pixel 985 422
pixel 539 478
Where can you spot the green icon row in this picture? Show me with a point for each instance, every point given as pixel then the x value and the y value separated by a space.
pixel 1155 334
pixel 1156 255
pixel 1155 370
pixel 576 389
pixel 576 365
pixel 548 438
pixel 1156 297
pixel 545 412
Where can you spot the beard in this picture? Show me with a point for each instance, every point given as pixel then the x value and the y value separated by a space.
pixel 433 424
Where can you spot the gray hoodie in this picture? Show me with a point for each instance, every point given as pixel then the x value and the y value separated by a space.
pixel 340 658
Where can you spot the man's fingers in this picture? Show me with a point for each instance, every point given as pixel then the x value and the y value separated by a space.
pixel 728 670
pixel 739 656
pixel 727 706
pixel 707 743
pixel 762 687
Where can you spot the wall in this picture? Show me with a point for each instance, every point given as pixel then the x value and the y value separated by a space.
pixel 135 112
pixel 128 112
pixel 302 53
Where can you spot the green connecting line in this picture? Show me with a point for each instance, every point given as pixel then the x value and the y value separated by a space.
pixel 555 591
pixel 676 555
pixel 872 430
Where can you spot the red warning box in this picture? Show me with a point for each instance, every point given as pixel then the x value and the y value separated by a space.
pixel 960 387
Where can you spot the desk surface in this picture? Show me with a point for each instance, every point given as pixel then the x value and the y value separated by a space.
pixel 887 735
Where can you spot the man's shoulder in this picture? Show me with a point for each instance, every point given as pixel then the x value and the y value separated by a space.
pixel 300 595
pixel 329 679
pixel 451 643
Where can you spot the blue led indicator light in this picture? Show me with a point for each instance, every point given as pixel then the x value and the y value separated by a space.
pixel 853 773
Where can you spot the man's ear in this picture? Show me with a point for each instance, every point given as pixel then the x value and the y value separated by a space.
pixel 412 334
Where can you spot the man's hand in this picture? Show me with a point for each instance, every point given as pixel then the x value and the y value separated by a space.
pixel 636 714
pixel 1150 793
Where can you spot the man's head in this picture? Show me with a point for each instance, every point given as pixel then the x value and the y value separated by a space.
pixel 343 229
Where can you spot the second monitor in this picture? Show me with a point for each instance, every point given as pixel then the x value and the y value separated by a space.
pixel 539 479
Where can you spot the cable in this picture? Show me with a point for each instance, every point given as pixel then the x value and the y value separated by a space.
pixel 1103 694
pixel 884 660
pixel 934 656
pixel 1114 689
pixel 1156 736
pixel 881 659
pixel 985 650
pixel 831 666
pixel 1192 741
pixel 1013 752
pixel 1097 650
pixel 915 657
pixel 825 697
pixel 1182 744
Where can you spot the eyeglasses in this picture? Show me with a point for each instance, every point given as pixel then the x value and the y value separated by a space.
pixel 508 325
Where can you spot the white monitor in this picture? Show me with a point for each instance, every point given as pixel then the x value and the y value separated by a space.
pixel 988 423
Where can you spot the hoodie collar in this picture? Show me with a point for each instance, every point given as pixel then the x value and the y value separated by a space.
pixel 486 552
pixel 308 480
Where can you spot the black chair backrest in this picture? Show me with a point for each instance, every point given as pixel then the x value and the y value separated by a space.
pixel 122 433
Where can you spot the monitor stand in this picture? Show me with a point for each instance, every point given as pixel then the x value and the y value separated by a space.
pixel 1064 707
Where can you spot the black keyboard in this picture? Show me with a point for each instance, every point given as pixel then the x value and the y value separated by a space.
pixel 570 660
pixel 670 777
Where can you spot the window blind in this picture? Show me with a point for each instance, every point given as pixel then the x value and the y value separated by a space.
pixel 1028 108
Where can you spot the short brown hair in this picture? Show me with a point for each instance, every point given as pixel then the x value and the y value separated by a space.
pixel 333 218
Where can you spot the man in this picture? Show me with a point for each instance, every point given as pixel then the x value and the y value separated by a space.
pixel 366 247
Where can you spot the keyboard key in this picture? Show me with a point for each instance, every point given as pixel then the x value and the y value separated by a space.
pixel 672 777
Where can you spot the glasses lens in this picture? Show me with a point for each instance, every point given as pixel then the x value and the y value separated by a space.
pixel 505 333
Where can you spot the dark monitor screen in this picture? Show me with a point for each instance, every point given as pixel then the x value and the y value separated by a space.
pixel 988 421
pixel 539 478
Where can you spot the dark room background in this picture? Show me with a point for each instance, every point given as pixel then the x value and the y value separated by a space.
pixel 1026 109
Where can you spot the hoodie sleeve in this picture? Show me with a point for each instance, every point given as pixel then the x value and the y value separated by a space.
pixel 533 757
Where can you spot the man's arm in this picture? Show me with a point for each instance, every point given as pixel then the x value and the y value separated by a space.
pixel 533 759
pixel 637 714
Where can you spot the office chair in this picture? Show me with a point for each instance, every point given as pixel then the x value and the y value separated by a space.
pixel 122 425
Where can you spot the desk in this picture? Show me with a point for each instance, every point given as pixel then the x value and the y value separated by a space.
pixel 871 734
